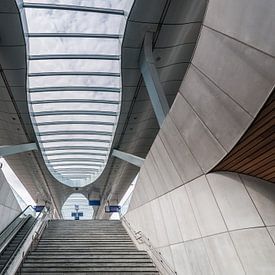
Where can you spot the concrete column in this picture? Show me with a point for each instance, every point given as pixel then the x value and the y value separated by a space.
pixel 135 160
pixel 151 79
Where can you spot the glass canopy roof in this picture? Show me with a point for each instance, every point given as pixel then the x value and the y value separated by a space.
pixel 74 84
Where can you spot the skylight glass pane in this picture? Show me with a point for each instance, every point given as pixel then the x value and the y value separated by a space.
pixel 72 143
pixel 71 21
pixel 75 95
pixel 74 136
pixel 74 82
pixel 71 118
pixel 74 45
pixel 82 65
pixel 60 81
pixel 117 4
pixel 76 166
pixel 73 127
pixel 75 106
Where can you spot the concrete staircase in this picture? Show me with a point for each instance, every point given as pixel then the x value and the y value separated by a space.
pixel 86 247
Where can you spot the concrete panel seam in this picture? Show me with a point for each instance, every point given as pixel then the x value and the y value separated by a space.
pixel 203 123
pixel 8 207
pixel 182 137
pixel 186 146
pixel 231 37
pixel 226 225
pixel 221 89
pixel 167 191
pixel 164 24
pixel 251 199
pixel 172 64
pixel 177 45
pixel 217 234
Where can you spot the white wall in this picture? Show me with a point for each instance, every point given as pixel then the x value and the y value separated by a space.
pixel 217 223
pixel 9 207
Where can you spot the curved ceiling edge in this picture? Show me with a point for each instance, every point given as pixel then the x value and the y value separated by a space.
pixel 73 83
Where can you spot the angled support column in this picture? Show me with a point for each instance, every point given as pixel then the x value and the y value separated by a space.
pixel 151 79
pixel 8 150
pixel 137 161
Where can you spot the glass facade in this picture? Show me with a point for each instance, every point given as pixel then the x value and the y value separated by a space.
pixel 74 84
pixel 77 203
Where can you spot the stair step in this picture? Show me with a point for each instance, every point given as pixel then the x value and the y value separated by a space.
pixel 87 265
pixel 58 270
pixel 92 272
pixel 98 253
pixel 87 247
pixel 85 260
pixel 84 241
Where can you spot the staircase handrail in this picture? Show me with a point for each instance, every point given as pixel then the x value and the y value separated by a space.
pixel 142 239
pixel 5 267
pixel 38 234
pixel 13 227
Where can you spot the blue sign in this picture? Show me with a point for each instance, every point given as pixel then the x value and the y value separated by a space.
pixel 94 202
pixel 76 215
pixel 112 208
pixel 39 208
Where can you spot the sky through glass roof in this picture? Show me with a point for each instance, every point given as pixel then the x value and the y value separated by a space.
pixel 74 84
pixel 82 204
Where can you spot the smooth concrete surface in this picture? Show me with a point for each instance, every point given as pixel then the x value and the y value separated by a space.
pixel 9 207
pixel 213 223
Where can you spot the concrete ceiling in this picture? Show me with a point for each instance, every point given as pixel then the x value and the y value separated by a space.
pixel 176 34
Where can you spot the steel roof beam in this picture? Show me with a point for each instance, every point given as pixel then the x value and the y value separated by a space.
pixel 74 88
pixel 48 123
pixel 74 56
pixel 135 160
pixel 8 150
pixel 77 164
pixel 73 74
pixel 78 169
pixel 76 140
pixel 76 132
pixel 152 81
pixel 73 112
pixel 73 35
pixel 76 177
pixel 96 148
pixel 73 160
pixel 98 101
pixel 77 153
pixel 72 8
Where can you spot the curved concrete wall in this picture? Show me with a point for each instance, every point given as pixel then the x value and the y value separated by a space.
pixel 218 223
pixel 9 207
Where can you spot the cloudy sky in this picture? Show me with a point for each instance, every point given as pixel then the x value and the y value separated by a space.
pixel 64 21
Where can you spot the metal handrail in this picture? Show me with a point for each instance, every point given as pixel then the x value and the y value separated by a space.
pixel 35 239
pixel 14 219
pixel 21 243
pixel 38 234
pixel 142 239
pixel 13 231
